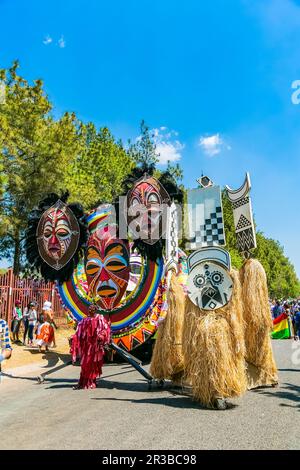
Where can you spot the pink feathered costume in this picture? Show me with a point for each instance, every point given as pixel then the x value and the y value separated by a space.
pixel 92 334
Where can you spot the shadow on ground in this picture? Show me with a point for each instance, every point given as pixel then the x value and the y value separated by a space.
pixel 52 360
pixel 287 391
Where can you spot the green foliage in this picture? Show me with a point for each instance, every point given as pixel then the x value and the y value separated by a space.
pixel 35 151
pixel 96 173
pixel 282 279
pixel 143 151
pixel 281 276
pixel 40 154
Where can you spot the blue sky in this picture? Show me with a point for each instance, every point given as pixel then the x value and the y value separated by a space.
pixel 212 77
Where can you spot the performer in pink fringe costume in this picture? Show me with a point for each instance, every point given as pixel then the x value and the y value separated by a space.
pixel 92 334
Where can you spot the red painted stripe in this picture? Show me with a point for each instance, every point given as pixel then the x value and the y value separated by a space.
pixel 281 317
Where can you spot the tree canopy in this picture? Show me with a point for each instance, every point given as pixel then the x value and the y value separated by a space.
pixel 40 154
pixel 281 275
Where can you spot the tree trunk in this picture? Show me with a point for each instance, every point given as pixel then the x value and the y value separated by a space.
pixel 17 255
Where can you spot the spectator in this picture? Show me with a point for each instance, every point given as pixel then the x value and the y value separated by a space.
pixel 46 334
pixel 47 310
pixel 40 322
pixel 32 319
pixel 26 322
pixel 5 346
pixel 277 309
pixel 16 322
pixel 297 323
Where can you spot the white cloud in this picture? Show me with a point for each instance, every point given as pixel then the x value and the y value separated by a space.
pixel 62 43
pixel 169 151
pixel 211 145
pixel 167 148
pixel 47 40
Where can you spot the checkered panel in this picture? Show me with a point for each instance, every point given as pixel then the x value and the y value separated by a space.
pixel 211 233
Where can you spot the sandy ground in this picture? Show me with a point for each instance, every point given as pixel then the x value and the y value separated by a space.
pixel 26 356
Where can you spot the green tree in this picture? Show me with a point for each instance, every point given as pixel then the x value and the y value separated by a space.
pixel 282 279
pixel 143 150
pixel 281 276
pixel 97 172
pixel 144 153
pixel 35 150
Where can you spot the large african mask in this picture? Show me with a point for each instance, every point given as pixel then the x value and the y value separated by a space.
pixel 107 268
pixel 147 204
pixel 209 283
pixel 58 235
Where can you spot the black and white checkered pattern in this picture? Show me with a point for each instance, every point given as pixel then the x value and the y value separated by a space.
pixel 211 233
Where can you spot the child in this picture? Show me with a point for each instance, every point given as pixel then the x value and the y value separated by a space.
pixel 45 335
pixel 47 309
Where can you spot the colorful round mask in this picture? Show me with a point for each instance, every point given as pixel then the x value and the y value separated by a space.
pixel 147 202
pixel 107 268
pixel 58 235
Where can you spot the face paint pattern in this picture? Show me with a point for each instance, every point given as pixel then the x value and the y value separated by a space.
pixel 145 204
pixel 58 235
pixel 107 268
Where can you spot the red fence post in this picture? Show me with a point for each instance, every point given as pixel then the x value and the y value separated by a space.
pixel 10 279
pixel 12 287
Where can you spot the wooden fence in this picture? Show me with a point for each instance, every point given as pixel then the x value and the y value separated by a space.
pixel 14 288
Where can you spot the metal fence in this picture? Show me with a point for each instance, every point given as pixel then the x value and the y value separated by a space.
pixel 14 288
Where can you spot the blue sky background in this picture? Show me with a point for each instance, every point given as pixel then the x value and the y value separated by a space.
pixel 213 77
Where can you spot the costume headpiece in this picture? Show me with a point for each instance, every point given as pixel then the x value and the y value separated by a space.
pixel 106 259
pixel 146 208
pixel 55 235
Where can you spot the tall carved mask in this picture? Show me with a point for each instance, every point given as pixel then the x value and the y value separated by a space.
pixel 58 235
pixel 147 202
pixel 107 267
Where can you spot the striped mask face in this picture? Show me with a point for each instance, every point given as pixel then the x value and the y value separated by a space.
pixel 107 268
pixel 147 203
pixel 58 235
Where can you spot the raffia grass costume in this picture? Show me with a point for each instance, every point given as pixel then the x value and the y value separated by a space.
pixel 261 367
pixel 214 349
pixel 223 352
pixel 167 358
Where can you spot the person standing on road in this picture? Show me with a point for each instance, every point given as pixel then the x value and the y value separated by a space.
pixel 47 310
pixel 46 334
pixel 16 322
pixel 32 319
pixel 92 335
pixel 297 322
pixel 25 322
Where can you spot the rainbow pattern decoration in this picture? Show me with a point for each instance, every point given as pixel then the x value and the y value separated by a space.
pixel 103 215
pixel 281 327
pixel 136 319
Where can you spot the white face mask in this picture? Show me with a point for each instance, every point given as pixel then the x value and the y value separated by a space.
pixel 209 286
